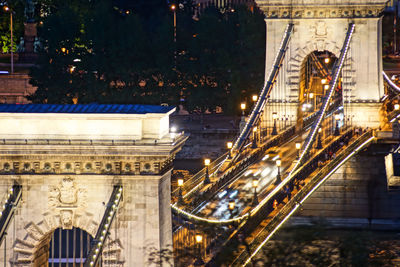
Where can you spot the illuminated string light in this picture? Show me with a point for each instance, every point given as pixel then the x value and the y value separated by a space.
pixel 389 81
pixel 316 126
pixel 262 99
pixel 95 251
pixel 305 198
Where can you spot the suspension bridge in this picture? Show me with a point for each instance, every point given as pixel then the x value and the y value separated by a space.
pixel 89 185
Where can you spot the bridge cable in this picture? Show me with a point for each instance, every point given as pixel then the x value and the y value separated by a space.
pixel 13 198
pixel 103 230
pixel 264 94
pixel 335 74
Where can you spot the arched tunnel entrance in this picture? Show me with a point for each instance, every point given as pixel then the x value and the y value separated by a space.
pixel 315 76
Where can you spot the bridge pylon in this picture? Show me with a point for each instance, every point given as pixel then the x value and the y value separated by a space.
pixel 319 28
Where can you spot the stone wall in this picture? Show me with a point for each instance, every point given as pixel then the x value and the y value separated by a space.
pixel 14 88
pixel 357 190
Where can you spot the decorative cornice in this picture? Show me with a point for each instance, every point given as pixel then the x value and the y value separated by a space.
pixel 318 9
pixel 322 13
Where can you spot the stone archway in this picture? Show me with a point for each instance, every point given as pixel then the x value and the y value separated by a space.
pixel 300 54
pixel 33 248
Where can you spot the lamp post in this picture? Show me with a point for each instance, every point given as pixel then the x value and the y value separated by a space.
pixel 254 137
pixel 327 60
pixel 254 98
pixel 337 131
pixel 278 176
pixel 199 240
pixel 319 141
pixel 8 9
pixel 207 178
pixel 180 185
pixel 243 107
pixel 173 8
pixel 298 146
pixel 311 95
pixel 229 146
pixel 231 206
pixel 274 117
pixel 255 198
pixel 396 106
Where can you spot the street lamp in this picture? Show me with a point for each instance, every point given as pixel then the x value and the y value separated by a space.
pixel 229 146
pixel 396 106
pixel 207 178
pixel 327 60
pixel 173 8
pixel 278 176
pixel 255 198
pixel 180 185
pixel 254 137
pixel 8 9
pixel 298 146
pixel 337 131
pixel 323 81
pixel 199 240
pixel 243 107
pixel 274 117
pixel 255 97
pixel 326 86
pixel 231 206
pixel 319 142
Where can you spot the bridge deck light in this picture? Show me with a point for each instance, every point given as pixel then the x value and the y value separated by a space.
pixel 207 162
pixel 396 106
pixel 278 162
pixel 255 97
pixel 229 145
pixel 199 238
pixel 255 183
pixel 327 60
pixel 298 145
pixel 323 81
pixel 231 205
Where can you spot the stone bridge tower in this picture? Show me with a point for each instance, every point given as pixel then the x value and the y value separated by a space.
pixel 67 158
pixel 320 26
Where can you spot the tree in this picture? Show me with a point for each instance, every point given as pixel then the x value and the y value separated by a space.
pixel 124 52
pixel 112 65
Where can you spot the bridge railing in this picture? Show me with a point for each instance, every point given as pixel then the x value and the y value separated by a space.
pixel 287 210
pixel 391 84
pixel 246 159
pixel 252 222
pixel 197 178
pixel 233 171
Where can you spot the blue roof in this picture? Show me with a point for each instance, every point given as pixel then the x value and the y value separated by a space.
pixel 83 108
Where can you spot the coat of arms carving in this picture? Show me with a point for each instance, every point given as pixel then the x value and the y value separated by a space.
pixel 66 194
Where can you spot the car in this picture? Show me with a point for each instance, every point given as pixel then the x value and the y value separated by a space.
pixel 272 154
